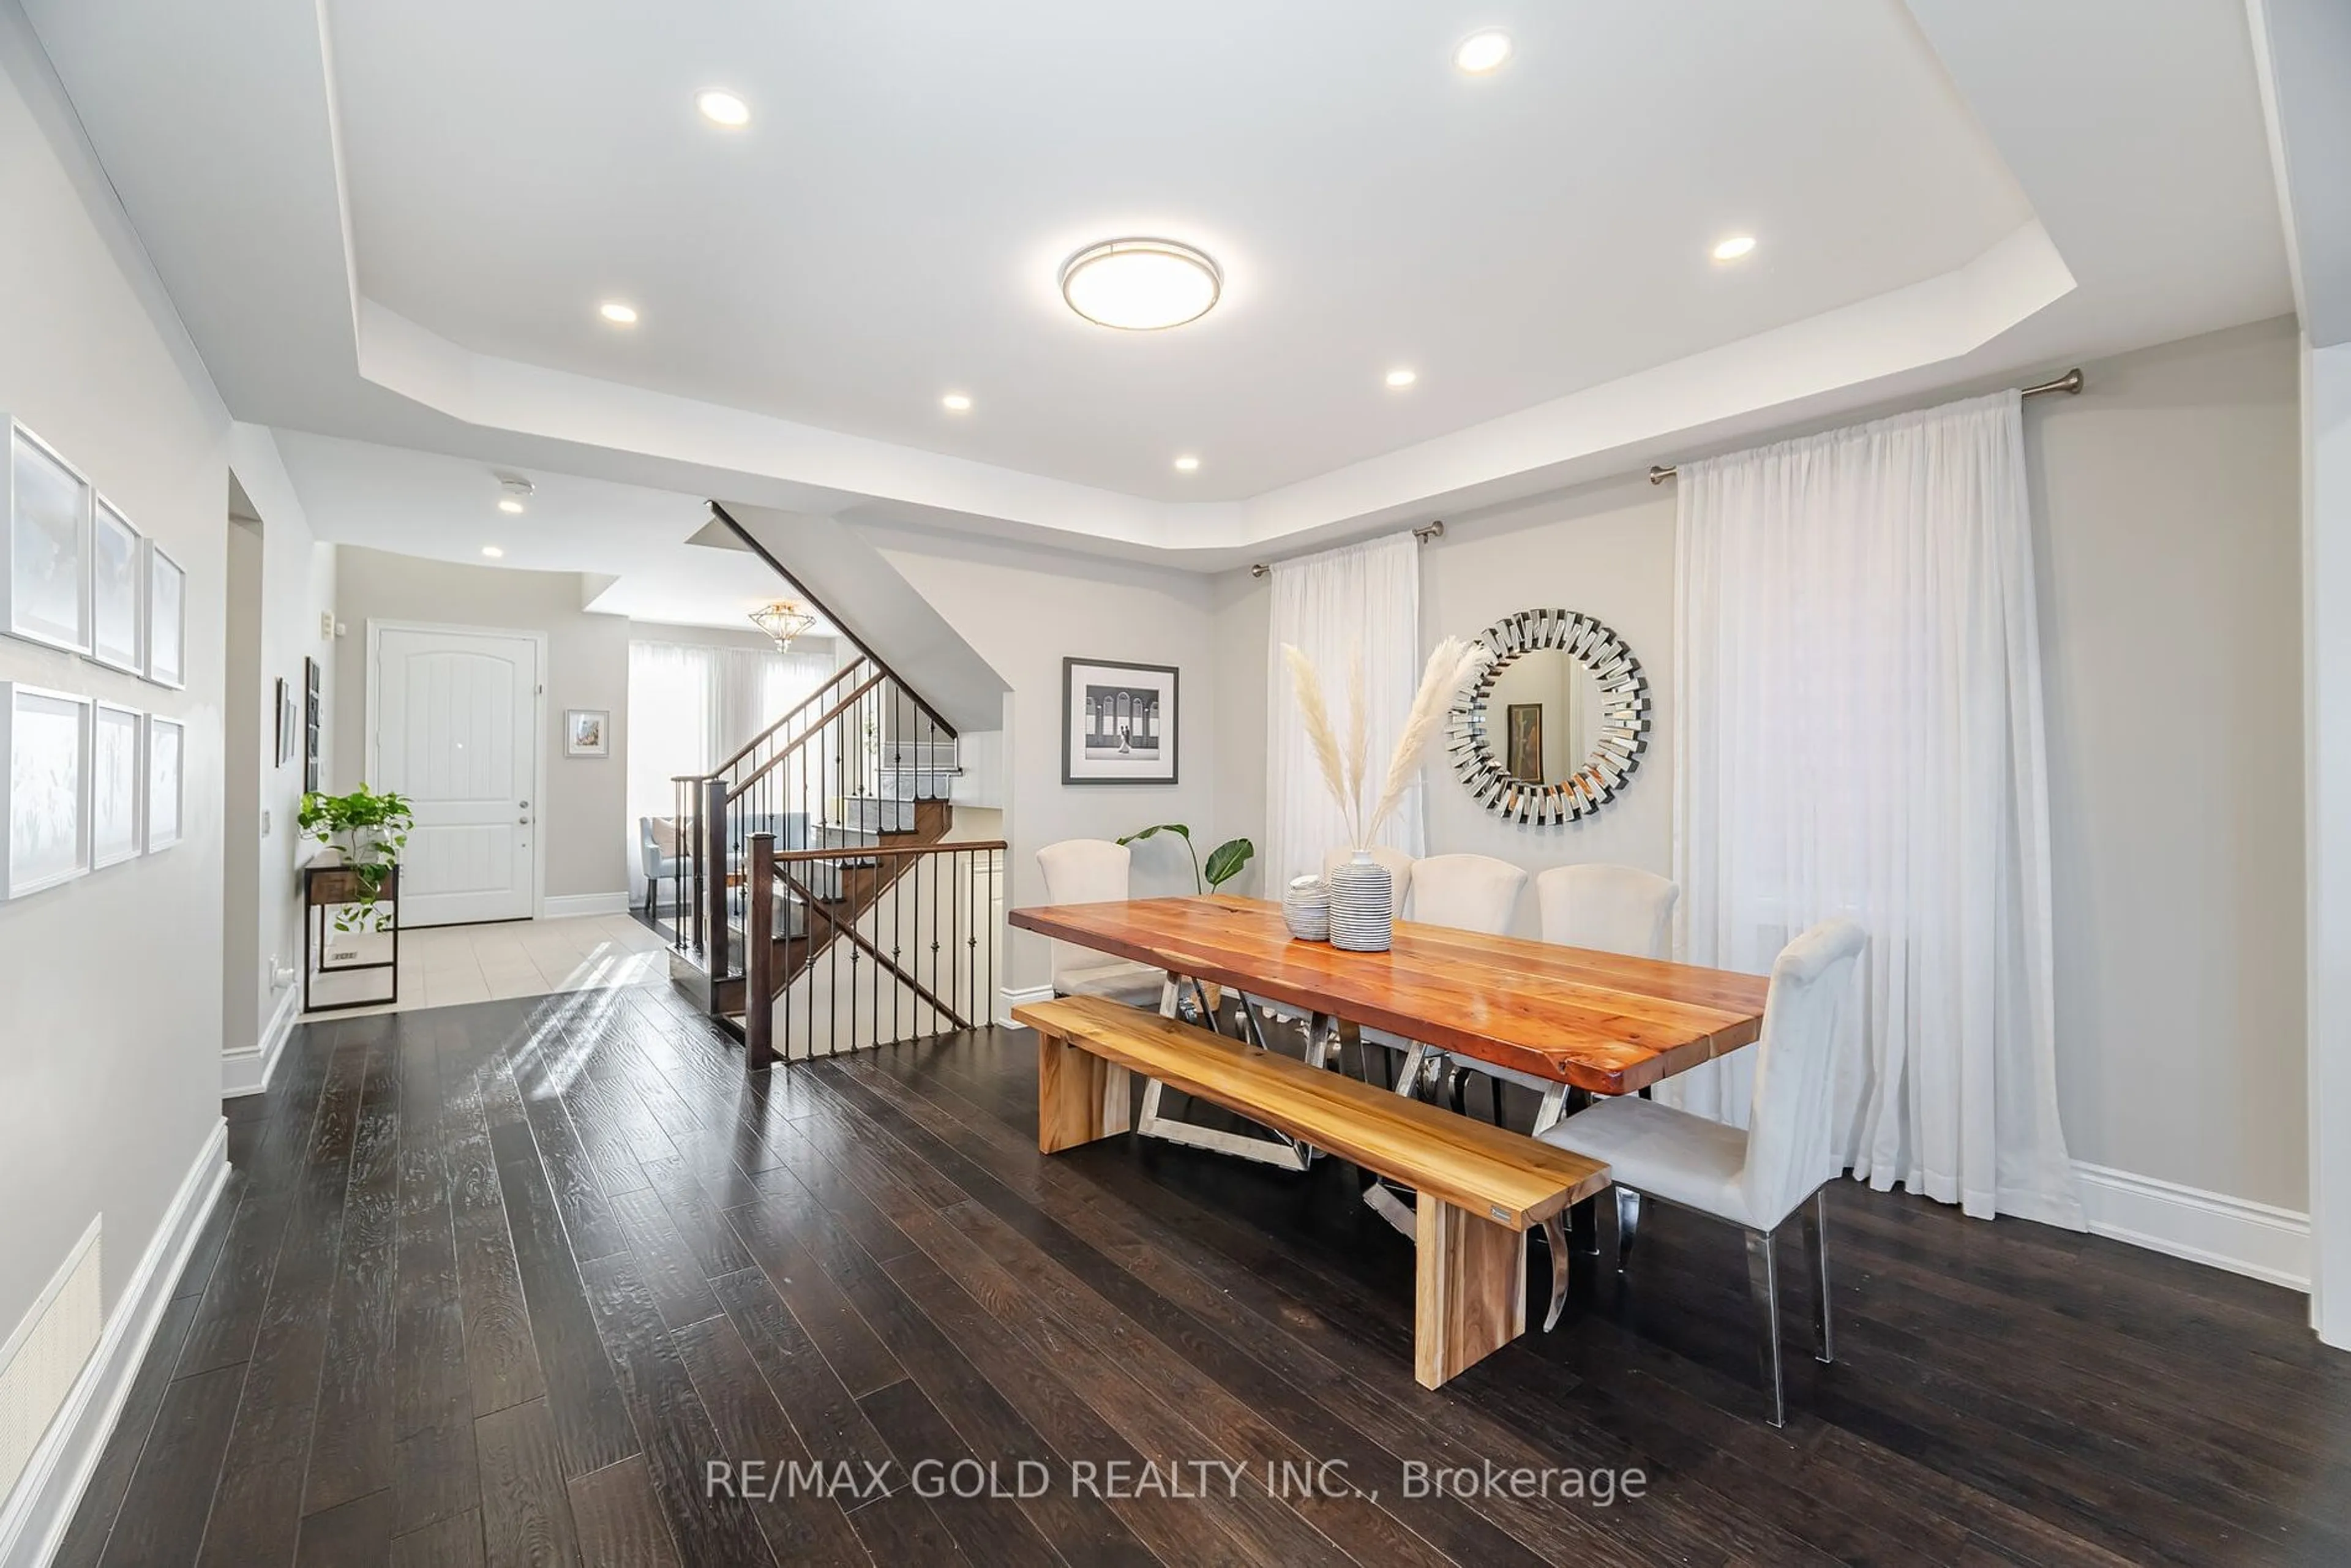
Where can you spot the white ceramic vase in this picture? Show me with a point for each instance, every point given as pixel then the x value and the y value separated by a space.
pixel 1362 906
pixel 1306 909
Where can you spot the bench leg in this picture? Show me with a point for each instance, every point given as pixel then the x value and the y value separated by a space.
pixel 1470 1294
pixel 1080 1097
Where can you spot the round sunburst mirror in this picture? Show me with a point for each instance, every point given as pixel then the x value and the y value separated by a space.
pixel 1557 723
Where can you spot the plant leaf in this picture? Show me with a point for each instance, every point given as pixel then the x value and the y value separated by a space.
pixel 1176 828
pixel 1225 860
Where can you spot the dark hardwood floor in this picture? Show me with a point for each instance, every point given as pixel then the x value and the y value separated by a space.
pixel 500 1283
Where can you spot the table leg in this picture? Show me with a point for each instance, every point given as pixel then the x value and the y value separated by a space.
pixel 1583 1218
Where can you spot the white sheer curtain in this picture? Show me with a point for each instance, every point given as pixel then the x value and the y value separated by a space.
pixel 1363 600
pixel 1858 732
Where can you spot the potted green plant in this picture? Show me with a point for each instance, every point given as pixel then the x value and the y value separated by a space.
pixel 368 831
pixel 1226 862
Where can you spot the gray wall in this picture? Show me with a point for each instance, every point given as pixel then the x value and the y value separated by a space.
pixel 2167 514
pixel 110 986
pixel 1024 611
pixel 584 811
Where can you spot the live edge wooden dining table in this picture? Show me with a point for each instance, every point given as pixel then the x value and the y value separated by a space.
pixel 1566 1019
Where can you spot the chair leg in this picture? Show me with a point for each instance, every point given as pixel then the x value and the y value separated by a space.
pixel 1555 1239
pixel 1628 1225
pixel 1455 1086
pixel 1764 1295
pixel 1494 1091
pixel 1816 1244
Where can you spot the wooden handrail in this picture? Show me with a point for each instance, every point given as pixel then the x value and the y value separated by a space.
pixel 754 743
pixel 867 852
pixel 756 547
pixel 831 714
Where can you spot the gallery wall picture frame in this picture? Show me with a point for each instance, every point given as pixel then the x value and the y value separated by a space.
pixel 166 774
pixel 44 559
pixel 45 739
pixel 1120 722
pixel 313 709
pixel 587 732
pixel 117 590
pixel 118 785
pixel 167 618
pixel 289 723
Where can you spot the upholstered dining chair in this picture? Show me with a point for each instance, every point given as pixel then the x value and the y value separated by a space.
pixel 1612 908
pixel 659 856
pixel 1094 871
pixel 1756 1179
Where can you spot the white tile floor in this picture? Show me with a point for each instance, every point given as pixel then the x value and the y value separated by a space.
pixel 446 965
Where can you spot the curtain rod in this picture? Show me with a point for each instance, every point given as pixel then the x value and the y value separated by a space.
pixel 2069 383
pixel 1423 533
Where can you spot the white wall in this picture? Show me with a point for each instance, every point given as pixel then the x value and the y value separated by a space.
pixel 1024 611
pixel 110 986
pixel 583 815
pixel 2326 524
pixel 2166 506
pixel 263 923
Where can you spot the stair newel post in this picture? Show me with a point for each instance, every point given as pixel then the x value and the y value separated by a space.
pixel 714 856
pixel 759 957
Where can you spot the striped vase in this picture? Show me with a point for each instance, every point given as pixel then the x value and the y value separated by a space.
pixel 1362 906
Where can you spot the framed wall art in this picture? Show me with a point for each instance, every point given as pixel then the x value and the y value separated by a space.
pixel 587 732
pixel 167 623
pixel 313 710
pixel 1118 722
pixel 118 784
pixel 289 723
pixel 46 738
pixel 166 794
pixel 118 591
pixel 44 567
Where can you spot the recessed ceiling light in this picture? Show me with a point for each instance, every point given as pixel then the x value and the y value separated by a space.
pixel 955 402
pixel 493 551
pixel 1141 285
pixel 620 315
pixel 1482 52
pixel 1734 247
pixel 722 108
pixel 510 505
pixel 1188 463
pixel 1403 378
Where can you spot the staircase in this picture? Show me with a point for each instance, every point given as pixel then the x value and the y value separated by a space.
pixel 824 903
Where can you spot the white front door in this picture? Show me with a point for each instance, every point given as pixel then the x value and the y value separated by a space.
pixel 456 731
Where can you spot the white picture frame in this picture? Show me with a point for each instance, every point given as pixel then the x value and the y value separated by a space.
pixel 167 749
pixel 45 736
pixel 167 618
pixel 118 785
pixel 117 590
pixel 587 732
pixel 44 558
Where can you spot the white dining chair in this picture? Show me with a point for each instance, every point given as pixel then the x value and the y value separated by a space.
pixel 1754 1179
pixel 1094 871
pixel 1612 908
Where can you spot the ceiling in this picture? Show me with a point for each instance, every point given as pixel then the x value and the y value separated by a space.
pixel 628 544
pixel 395 224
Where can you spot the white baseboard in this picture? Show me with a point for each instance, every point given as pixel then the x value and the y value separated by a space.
pixel 2256 1239
pixel 1020 997
pixel 248 1072
pixel 564 905
pixel 34 1518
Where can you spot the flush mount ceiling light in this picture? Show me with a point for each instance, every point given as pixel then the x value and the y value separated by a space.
pixel 1188 463
pixel 1403 378
pixel 493 551
pixel 722 108
pixel 516 489
pixel 957 403
pixel 783 621
pixel 617 313
pixel 1482 52
pixel 1734 247
pixel 1141 285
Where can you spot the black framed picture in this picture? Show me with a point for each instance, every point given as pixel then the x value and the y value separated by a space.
pixel 1118 722
pixel 288 722
pixel 1525 723
pixel 313 706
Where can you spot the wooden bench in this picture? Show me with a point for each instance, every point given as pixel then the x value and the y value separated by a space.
pixel 1482 1188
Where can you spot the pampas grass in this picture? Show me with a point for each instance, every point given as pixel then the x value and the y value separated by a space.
pixel 1452 664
